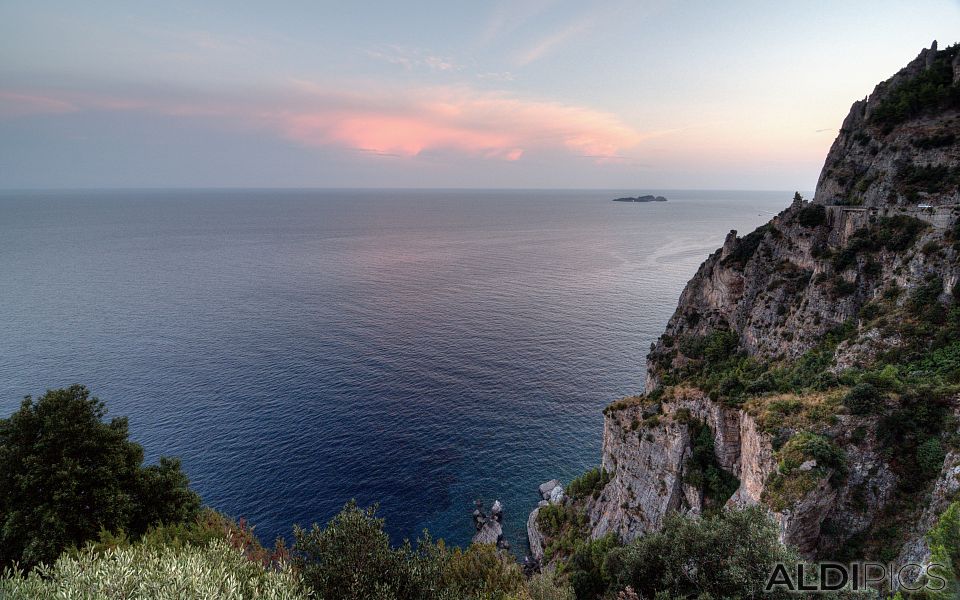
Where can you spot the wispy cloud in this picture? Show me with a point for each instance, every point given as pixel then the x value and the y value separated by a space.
pixel 509 15
pixel 500 76
pixel 411 58
pixel 552 42
pixel 19 104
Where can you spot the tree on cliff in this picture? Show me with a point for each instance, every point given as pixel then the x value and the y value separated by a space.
pixel 65 475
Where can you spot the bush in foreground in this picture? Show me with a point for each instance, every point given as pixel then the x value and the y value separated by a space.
pixel 154 573
pixel 727 555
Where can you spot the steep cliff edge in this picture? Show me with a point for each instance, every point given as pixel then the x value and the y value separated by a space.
pixel 812 366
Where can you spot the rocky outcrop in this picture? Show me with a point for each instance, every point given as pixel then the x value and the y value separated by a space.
pixel 780 288
pixel 883 225
pixel 869 157
pixel 534 536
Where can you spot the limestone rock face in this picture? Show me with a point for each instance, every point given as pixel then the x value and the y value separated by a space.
pixel 649 463
pixel 534 537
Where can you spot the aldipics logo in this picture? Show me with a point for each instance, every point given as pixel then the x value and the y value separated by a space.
pixel 858 576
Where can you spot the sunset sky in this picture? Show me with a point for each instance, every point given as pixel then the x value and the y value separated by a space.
pixel 537 93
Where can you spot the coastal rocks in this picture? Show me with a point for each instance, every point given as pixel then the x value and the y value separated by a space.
pixel 546 489
pixel 489 528
pixel 551 494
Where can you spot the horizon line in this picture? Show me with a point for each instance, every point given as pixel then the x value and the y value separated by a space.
pixel 383 188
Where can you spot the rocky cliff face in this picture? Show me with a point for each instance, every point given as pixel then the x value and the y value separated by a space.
pixel 780 287
pixel 801 349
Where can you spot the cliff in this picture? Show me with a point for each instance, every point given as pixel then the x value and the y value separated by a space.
pixel 812 365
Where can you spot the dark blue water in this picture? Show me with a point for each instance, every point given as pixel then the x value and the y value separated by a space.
pixel 297 349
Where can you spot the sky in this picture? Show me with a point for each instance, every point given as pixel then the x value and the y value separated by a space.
pixel 630 94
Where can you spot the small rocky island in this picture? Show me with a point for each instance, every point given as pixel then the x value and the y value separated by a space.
pixel 646 198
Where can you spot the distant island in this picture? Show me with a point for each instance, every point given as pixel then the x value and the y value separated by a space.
pixel 647 198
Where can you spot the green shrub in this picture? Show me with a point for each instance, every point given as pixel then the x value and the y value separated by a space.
pixel 726 555
pixel 91 475
pixel 542 586
pixel 926 294
pixel 564 527
pixel 930 179
pixel 805 446
pixel 862 399
pixel 478 572
pixel 789 483
pixel 585 569
pixel 154 572
pixel 934 141
pixel 351 557
pixel 812 215
pixel 930 455
pixel 588 484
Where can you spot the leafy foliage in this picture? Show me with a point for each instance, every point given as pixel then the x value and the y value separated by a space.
pixel 792 480
pixel 585 568
pixel 895 234
pixel 65 475
pixel 931 179
pixel 563 527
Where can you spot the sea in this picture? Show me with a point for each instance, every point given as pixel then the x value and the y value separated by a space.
pixel 415 349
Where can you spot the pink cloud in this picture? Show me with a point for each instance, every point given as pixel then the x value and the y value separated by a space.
pixel 491 125
pixel 14 104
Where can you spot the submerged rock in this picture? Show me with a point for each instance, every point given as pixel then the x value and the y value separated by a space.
pixel 489 528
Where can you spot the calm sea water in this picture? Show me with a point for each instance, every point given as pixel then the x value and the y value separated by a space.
pixel 297 349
